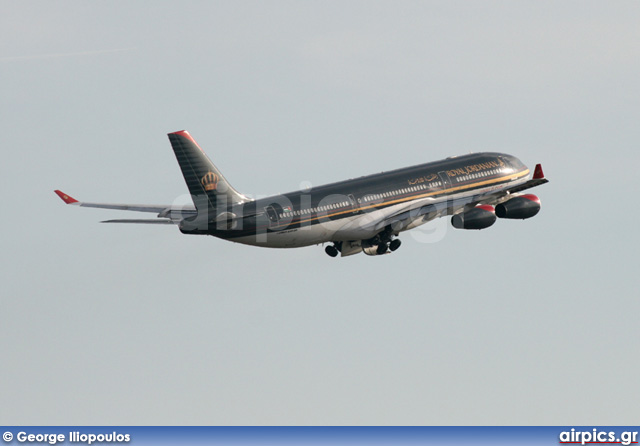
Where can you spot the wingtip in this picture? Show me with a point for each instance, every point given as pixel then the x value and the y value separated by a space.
pixel 538 173
pixel 66 198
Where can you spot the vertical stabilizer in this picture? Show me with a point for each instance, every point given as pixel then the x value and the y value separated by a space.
pixel 208 187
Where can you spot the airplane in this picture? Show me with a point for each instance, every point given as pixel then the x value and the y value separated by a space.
pixel 364 214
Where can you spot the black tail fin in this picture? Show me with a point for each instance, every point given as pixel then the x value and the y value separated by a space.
pixel 209 189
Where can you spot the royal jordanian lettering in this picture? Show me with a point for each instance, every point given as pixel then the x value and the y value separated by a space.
pixel 360 215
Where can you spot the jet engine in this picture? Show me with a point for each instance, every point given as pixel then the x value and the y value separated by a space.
pixel 521 207
pixel 480 217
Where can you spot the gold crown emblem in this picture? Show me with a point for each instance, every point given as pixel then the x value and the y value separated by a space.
pixel 210 181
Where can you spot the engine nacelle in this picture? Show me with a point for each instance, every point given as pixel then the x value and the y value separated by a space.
pixel 519 208
pixel 480 217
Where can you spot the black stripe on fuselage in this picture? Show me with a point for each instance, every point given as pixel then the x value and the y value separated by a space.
pixel 367 194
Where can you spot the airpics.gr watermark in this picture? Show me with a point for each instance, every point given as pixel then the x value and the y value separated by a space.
pixel 73 437
pixel 595 436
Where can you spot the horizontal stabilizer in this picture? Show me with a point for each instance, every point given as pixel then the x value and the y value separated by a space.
pixel 142 221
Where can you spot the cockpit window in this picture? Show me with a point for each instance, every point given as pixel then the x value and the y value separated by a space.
pixel 507 163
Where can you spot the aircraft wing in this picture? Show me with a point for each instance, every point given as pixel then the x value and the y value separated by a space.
pixel 537 179
pixel 505 194
pixel 169 213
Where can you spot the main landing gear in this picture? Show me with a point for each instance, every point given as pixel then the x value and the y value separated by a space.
pixel 383 243
pixel 385 247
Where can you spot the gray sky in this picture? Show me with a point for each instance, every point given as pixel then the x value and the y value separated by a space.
pixel 527 322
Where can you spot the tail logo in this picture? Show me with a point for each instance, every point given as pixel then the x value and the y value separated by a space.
pixel 210 181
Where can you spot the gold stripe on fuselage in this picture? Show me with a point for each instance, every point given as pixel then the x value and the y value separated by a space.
pixel 514 176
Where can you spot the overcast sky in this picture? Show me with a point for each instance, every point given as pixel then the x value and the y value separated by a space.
pixel 527 322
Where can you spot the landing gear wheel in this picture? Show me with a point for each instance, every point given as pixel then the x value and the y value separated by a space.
pixel 382 249
pixel 395 244
pixel 331 251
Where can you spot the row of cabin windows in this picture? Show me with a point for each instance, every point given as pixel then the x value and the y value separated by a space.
pixel 406 190
pixel 383 195
pixel 477 175
pixel 288 213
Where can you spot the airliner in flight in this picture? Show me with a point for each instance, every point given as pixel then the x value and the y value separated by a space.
pixel 359 215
